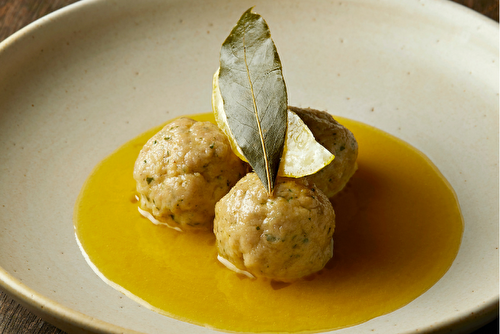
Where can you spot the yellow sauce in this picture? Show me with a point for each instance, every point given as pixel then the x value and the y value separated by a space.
pixel 398 231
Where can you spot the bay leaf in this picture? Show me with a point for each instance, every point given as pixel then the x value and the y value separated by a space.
pixel 254 95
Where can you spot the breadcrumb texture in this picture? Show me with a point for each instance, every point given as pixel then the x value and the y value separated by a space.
pixel 183 170
pixel 339 141
pixel 283 237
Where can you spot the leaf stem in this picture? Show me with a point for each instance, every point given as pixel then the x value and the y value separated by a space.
pixel 268 174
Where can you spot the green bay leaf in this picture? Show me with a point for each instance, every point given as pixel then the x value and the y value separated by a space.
pixel 254 95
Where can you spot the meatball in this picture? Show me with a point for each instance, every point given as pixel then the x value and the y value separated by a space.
pixel 282 237
pixel 339 141
pixel 182 171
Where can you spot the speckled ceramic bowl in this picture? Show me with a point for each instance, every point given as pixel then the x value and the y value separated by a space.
pixel 77 84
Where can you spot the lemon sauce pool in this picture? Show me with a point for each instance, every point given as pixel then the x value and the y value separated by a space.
pixel 398 230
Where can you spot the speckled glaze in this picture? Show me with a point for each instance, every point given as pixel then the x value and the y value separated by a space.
pixel 78 83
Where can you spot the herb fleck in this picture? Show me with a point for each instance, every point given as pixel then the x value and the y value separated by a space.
pixel 270 237
pixel 149 179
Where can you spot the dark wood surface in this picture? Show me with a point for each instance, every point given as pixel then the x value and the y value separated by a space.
pixel 15 14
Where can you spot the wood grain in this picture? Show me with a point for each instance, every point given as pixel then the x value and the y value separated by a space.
pixel 16 319
pixel 486 7
pixel 15 14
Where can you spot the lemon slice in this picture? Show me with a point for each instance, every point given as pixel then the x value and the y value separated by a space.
pixel 302 154
pixel 220 116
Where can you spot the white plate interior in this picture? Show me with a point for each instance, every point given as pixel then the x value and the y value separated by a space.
pixel 77 84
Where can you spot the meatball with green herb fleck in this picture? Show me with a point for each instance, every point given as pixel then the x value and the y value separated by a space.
pixel 339 141
pixel 182 171
pixel 282 237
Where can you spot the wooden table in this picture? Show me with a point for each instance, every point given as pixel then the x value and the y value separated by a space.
pixel 15 14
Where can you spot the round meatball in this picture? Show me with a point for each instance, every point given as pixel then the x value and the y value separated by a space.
pixel 339 141
pixel 183 170
pixel 282 237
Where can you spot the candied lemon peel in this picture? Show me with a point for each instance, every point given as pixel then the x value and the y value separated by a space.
pixel 302 154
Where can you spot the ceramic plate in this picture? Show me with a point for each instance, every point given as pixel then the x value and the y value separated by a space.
pixel 78 83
